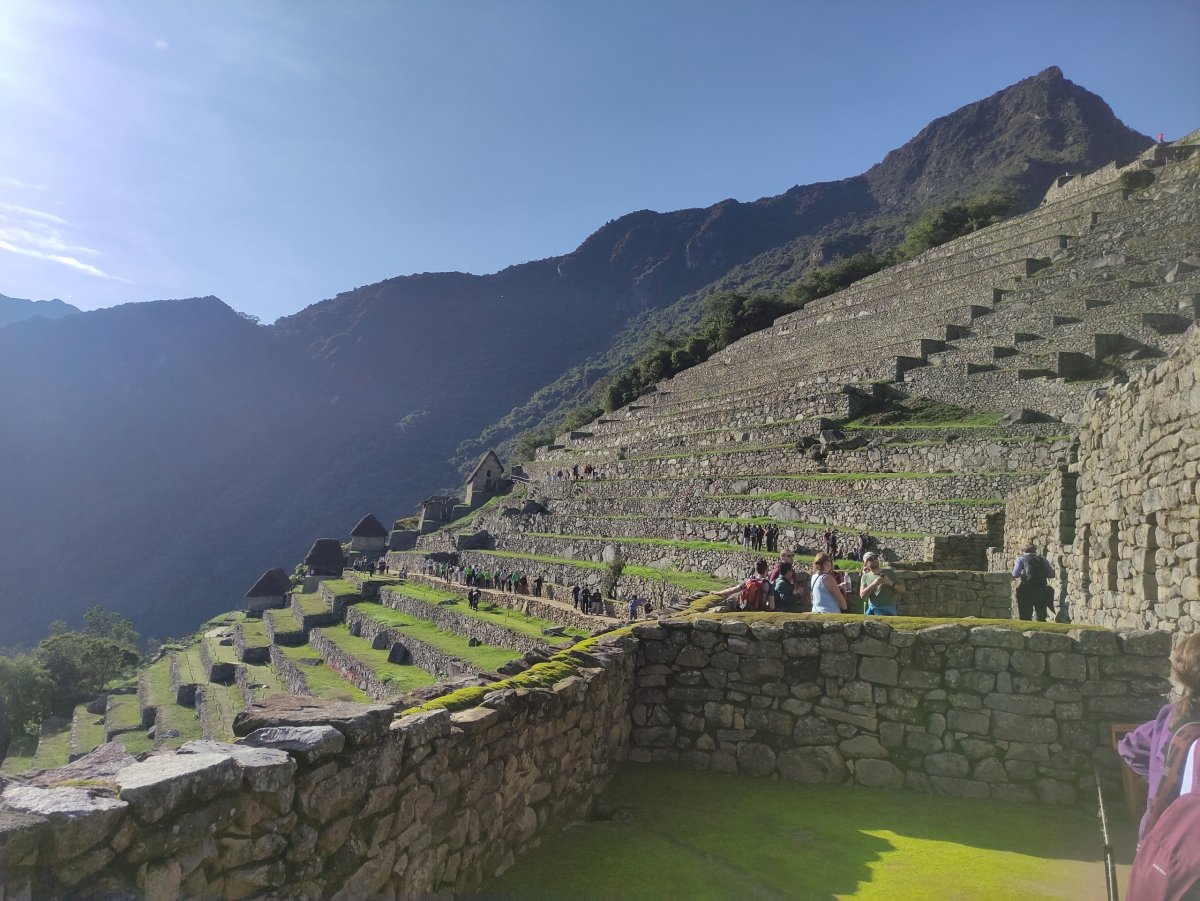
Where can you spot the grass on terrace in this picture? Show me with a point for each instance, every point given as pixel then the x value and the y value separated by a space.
pixel 157 681
pixel 684 834
pixel 263 680
pixel 482 657
pixel 173 718
pixel 221 704
pixel 401 677
pixel 313 604
pixel 254 634
pixel 322 681
pixel 689 581
pixel 20 755
pixel 512 620
pixel 282 621
pixel 53 748
pixel 124 713
pixel 88 729
pixel 190 667
pixel 220 653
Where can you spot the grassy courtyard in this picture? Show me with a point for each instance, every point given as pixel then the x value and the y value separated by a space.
pixel 671 833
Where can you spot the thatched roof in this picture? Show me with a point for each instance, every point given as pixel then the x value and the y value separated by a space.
pixel 490 454
pixel 369 527
pixel 325 553
pixel 272 584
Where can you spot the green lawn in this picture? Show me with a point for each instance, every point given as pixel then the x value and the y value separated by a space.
pixel 322 681
pixel 339 587
pixel 190 666
pixel 220 653
pixel 265 678
pixel 401 677
pixel 173 718
pixel 512 620
pixel 138 743
pixel 482 657
pixel 254 633
pixel 681 834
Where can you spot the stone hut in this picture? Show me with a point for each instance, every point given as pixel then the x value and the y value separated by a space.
pixel 368 537
pixel 483 480
pixel 436 511
pixel 269 591
pixel 325 558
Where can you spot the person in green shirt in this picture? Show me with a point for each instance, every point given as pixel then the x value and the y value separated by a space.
pixel 879 587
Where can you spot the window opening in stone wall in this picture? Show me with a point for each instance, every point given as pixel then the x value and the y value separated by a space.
pixel 1149 567
pixel 1114 558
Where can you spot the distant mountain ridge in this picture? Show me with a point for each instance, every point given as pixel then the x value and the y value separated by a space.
pixel 161 456
pixel 15 309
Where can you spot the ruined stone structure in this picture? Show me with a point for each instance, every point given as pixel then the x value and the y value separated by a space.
pixel 483 480
pixel 436 511
pixel 1120 520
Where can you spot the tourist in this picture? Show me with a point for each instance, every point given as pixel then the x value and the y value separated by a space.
pixel 597 602
pixel 758 577
pixel 879 587
pixel 785 585
pixel 746 533
pixel 634 603
pixel 537 585
pixel 864 544
pixel 1145 748
pixel 788 557
pixel 827 594
pixel 575 597
pixel 1034 595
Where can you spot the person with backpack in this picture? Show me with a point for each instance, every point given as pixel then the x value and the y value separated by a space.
pixel 755 593
pixel 1166 751
pixel 1034 594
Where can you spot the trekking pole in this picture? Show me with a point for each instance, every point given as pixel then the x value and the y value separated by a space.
pixel 1110 862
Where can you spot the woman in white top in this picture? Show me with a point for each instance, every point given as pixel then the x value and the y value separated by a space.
pixel 827 595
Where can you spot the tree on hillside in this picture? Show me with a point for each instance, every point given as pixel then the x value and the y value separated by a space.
pixel 25 692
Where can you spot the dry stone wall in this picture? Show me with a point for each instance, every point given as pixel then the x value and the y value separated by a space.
pixel 330 800
pixel 983 712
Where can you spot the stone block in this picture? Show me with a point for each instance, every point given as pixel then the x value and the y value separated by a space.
pixel 863 746
pixel 959 788
pixel 1070 667
pixel 1095 641
pixel 947 764
pixel 1014 727
pixel 844 666
pixel 755 759
pixel 949 633
pixel 867 646
pixel 969 721
pixel 760 669
pixel 919 678
pixel 308 743
pixel 880 670
pixel 991 659
pixel 1131 665
pixel 995 637
pixel 1030 663
pixel 1025 705
pixel 878 774
pixel 814 765
pixel 1145 643
pixel 159 784
pixel 812 730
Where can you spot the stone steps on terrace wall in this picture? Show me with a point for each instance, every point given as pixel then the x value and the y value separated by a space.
pixel 884 485
pixel 985 391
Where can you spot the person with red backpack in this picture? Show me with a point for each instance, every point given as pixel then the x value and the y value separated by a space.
pixel 756 593
pixel 1165 751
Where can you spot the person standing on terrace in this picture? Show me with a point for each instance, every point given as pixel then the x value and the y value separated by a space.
pixel 827 595
pixel 879 587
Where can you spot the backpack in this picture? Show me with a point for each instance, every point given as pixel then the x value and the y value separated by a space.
pixel 1031 578
pixel 754 595
pixel 1167 865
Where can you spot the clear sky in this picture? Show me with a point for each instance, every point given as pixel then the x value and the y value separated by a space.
pixel 276 152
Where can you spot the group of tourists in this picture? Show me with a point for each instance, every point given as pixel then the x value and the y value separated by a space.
pixel 576 472
pixel 514 581
pixel 363 565
pixel 825 590
pixel 587 601
pixel 754 536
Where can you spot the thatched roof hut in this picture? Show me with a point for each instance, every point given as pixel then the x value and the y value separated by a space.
pixel 325 557
pixel 369 527
pixel 272 583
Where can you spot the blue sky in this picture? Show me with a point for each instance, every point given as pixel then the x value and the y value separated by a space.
pixel 276 152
